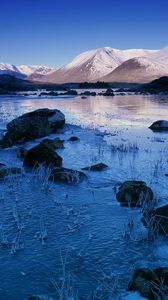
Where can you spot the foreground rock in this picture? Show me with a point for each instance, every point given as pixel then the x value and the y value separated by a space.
pixel 157 220
pixel 5 171
pixel 152 284
pixel 33 125
pixel 134 193
pixel 161 125
pixel 42 154
pixel 66 175
pixel 97 167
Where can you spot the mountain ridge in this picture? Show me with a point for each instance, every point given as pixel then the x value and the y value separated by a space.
pixel 24 71
pixel 105 64
pixel 93 64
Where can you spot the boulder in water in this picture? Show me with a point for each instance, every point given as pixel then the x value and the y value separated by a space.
pixel 133 193
pixel 33 125
pixel 42 154
pixel 97 167
pixel 66 175
pixel 161 125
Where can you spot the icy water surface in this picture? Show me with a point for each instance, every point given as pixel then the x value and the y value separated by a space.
pixel 83 225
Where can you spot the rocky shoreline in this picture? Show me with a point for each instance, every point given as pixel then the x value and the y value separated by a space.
pixel 43 122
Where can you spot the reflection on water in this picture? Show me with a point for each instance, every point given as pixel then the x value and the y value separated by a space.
pixel 130 110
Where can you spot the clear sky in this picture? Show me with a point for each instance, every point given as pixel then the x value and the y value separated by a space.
pixel 52 32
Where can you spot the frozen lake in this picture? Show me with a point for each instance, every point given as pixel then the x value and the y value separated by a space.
pixel 84 224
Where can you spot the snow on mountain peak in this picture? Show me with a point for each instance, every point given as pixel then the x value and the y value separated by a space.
pixel 93 65
pixel 24 70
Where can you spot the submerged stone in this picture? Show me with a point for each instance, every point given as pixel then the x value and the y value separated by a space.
pixel 97 167
pixel 66 175
pixel 5 171
pixel 53 143
pixel 73 139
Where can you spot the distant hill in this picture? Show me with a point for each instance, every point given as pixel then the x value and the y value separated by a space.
pixel 137 70
pixel 156 86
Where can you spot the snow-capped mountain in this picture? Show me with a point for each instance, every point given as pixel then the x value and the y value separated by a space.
pixel 106 64
pixel 139 69
pixel 160 56
pixel 24 71
pixel 94 64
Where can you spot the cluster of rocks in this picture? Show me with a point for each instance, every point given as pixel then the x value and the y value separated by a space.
pixel 138 194
pixel 108 92
pixel 43 122
pixel 37 124
pixel 34 125
pixel 152 284
pixel 53 93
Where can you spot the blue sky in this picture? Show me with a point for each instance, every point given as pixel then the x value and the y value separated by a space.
pixel 52 32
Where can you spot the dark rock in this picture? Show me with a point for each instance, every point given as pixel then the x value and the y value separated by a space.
pixel 152 284
pixel 66 175
pixel 71 93
pixel 158 220
pixel 5 171
pixel 73 139
pixel 54 144
pixel 161 125
pixel 97 167
pixel 51 93
pixel 88 93
pixel 109 92
pixel 133 193
pixel 41 154
pixel 33 125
